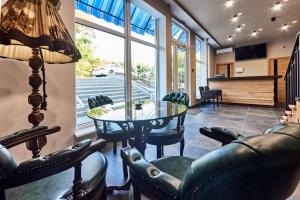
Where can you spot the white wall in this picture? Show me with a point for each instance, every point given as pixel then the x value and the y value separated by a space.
pixel 259 67
pixel 14 90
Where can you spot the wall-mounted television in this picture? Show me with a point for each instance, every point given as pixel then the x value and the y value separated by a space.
pixel 258 51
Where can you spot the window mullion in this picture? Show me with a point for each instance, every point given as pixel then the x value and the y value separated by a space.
pixel 128 75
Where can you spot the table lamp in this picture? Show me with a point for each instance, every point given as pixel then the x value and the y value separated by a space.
pixel 32 30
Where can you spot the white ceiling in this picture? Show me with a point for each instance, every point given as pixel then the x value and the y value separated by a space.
pixel 217 19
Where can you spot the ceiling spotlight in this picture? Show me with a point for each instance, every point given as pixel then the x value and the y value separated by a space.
pixel 229 3
pixel 229 38
pixel 260 29
pixel 235 18
pixel 243 25
pixel 294 22
pixel 254 34
pixel 238 28
pixel 277 6
pixel 240 14
pixel 285 27
pixel 285 1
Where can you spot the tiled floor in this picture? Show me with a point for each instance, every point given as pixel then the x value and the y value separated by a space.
pixel 244 120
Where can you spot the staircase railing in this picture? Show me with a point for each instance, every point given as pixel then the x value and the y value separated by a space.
pixel 292 77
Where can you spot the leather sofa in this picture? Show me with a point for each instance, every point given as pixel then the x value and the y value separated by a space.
pixel 263 167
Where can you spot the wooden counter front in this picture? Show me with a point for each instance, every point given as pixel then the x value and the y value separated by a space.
pixel 257 90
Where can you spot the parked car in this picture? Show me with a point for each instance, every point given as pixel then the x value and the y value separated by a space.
pixel 111 69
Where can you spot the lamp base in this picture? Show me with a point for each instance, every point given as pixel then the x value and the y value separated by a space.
pixel 35 99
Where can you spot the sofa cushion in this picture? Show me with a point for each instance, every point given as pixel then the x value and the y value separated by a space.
pixel 55 187
pixel 175 165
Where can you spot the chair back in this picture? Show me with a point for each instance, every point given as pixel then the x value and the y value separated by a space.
pixel 265 167
pixel 100 100
pixel 7 163
pixel 201 90
pixel 206 88
pixel 177 97
pixel 96 101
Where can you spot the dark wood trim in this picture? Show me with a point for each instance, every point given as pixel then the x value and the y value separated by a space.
pixel 228 70
pixel 244 78
pixel 275 80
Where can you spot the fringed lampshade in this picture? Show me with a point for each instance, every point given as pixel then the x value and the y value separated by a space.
pixel 32 30
pixel 27 24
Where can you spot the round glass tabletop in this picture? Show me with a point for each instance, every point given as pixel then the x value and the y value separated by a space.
pixel 136 111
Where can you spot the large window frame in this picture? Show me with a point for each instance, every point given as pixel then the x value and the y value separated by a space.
pixel 128 39
pixel 175 45
pixel 203 61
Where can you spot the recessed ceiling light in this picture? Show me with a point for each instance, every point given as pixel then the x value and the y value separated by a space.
pixel 254 34
pixel 243 25
pixel 229 3
pixel 260 29
pixel 285 27
pixel 238 28
pixel 240 14
pixel 229 38
pixel 235 18
pixel 277 6
pixel 285 1
pixel 294 22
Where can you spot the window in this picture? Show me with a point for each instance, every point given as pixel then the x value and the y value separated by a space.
pixel 179 56
pixel 107 67
pixel 201 67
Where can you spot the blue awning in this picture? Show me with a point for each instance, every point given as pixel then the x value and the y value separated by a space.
pixel 113 11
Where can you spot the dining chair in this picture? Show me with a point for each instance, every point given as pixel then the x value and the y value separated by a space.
pixel 207 95
pixel 77 172
pixel 174 131
pixel 111 132
pixel 262 167
pixel 217 92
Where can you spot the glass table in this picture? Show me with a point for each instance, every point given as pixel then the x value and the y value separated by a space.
pixel 137 119
pixel 143 116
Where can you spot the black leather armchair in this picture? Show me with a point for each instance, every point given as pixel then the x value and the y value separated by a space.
pixel 174 131
pixel 264 167
pixel 109 131
pixel 77 172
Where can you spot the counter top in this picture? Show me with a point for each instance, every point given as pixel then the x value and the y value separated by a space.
pixel 245 78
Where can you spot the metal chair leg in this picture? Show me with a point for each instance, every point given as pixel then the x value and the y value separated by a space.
pixel 158 151
pixel 125 169
pixel 115 148
pixel 182 143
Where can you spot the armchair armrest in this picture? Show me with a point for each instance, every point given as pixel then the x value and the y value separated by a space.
pixel 145 173
pixel 53 163
pixel 220 134
pixel 27 135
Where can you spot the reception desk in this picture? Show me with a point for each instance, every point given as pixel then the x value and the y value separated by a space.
pixel 255 90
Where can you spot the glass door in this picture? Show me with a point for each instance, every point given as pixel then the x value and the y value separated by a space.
pixel 179 64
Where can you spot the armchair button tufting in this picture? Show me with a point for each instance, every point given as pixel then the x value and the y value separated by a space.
pixel 136 158
pixel 154 172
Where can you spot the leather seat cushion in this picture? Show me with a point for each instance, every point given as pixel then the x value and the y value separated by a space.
pixel 166 135
pixel 175 165
pixel 55 187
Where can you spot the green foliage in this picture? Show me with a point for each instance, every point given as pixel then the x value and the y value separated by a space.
pixel 84 42
pixel 88 62
pixel 143 72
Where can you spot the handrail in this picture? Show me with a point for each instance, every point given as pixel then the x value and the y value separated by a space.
pixel 292 76
pixel 292 57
